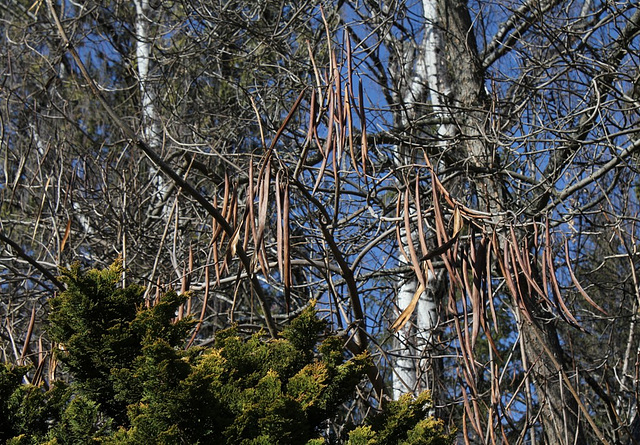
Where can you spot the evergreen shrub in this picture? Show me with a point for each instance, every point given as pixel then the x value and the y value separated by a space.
pixel 131 380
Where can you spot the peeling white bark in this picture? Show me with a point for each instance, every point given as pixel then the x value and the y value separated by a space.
pixel 404 367
pixel 416 341
pixel 150 120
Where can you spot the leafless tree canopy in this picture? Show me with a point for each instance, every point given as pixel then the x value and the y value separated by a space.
pixel 455 182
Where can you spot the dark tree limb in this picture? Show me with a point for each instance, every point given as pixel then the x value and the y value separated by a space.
pixel 28 258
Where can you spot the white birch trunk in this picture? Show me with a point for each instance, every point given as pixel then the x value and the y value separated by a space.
pixel 151 127
pixel 404 366
pixel 414 367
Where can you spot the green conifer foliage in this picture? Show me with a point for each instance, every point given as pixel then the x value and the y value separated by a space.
pixel 404 422
pixel 132 381
pixel 91 322
pixel 10 380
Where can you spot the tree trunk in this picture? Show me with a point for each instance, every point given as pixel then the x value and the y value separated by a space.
pixel 468 101
pixel 558 407
pixel 417 366
pixel 151 125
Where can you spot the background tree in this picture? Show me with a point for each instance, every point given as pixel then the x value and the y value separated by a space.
pixel 517 159
pixel 74 189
